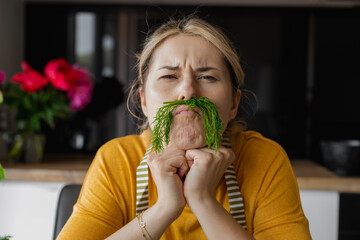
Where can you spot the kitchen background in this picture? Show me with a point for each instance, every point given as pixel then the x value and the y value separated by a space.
pixel 301 59
pixel 301 62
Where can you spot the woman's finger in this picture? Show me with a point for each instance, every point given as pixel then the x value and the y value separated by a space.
pixel 197 154
pixel 190 163
pixel 181 165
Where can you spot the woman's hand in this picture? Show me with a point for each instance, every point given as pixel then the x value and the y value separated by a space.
pixel 167 168
pixel 206 170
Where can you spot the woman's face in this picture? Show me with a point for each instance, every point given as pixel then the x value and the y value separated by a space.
pixel 185 67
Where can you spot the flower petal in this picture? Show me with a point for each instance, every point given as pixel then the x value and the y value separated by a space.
pixel 59 73
pixel 80 94
pixel 25 66
pixel 30 80
pixel 2 76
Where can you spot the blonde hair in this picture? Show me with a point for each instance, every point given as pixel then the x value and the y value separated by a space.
pixel 191 26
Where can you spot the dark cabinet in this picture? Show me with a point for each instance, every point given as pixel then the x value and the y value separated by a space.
pixel 349 218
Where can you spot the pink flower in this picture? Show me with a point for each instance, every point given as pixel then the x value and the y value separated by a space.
pixel 30 80
pixel 61 75
pixel 81 91
pixel 2 76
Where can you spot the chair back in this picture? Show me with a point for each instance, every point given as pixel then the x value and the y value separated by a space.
pixel 67 199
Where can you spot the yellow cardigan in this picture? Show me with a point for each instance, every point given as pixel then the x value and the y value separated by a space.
pixel 266 180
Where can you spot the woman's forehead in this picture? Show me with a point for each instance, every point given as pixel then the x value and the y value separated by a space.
pixel 183 49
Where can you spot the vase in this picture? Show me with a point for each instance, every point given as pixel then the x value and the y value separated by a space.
pixel 27 148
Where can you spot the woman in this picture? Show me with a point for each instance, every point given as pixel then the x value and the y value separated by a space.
pixel 188 190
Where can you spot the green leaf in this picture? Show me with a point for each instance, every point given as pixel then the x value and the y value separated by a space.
pixel 16 149
pixel 27 103
pixel 49 118
pixel 2 174
pixel 6 237
pixel 1 97
pixel 38 146
pixel 34 123
pixel 35 109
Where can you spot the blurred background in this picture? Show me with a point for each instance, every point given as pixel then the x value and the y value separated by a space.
pixel 301 59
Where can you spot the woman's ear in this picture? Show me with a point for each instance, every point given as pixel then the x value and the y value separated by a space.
pixel 143 101
pixel 235 104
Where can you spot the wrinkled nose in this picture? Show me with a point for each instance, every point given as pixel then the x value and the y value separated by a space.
pixel 188 88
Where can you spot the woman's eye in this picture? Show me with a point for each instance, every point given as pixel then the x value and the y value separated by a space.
pixel 207 77
pixel 169 77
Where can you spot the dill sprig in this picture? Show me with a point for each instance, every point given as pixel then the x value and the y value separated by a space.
pixel 212 122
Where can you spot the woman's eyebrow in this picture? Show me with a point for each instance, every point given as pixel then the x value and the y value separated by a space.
pixel 204 69
pixel 200 69
pixel 169 68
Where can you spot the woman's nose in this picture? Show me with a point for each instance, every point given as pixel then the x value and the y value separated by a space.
pixel 188 88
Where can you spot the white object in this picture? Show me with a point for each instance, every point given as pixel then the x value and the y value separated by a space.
pixel 28 209
pixel 322 210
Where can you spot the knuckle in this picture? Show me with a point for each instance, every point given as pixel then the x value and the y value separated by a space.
pixel 226 154
pixel 208 158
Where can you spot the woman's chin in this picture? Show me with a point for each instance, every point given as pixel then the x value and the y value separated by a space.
pixel 189 145
pixel 187 138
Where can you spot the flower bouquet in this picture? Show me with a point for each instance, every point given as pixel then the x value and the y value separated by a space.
pixel 36 99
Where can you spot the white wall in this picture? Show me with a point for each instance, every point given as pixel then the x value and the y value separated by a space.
pixel 322 210
pixel 11 36
pixel 28 209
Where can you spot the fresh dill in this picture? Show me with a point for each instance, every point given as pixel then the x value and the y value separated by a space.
pixel 212 122
pixel 2 174
pixel 6 237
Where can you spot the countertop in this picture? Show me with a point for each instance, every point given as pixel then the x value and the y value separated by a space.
pixel 73 168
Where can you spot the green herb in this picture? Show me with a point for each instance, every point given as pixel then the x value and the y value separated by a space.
pixel 212 122
pixel 5 237
pixel 2 175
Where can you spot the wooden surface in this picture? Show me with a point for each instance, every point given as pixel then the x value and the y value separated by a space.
pixel 72 169
pixel 54 168
pixel 312 176
pixel 310 169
